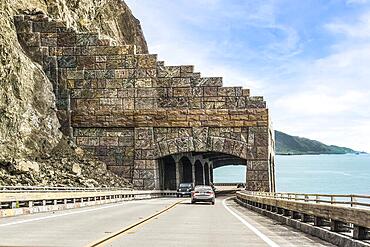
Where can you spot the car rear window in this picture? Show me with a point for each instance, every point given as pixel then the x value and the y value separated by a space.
pixel 203 188
pixel 185 185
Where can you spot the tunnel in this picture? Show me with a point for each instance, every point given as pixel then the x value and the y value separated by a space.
pixel 192 167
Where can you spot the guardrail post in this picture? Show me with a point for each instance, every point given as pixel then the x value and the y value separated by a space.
pixel 305 218
pixel 279 210
pixel 338 226
pixel 353 200
pixel 286 212
pixel 359 232
pixel 294 215
pixel 318 221
pixel 306 198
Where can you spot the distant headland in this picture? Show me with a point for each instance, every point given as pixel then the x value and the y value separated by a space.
pixel 294 145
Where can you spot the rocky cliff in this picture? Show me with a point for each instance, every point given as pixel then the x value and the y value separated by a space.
pixel 29 127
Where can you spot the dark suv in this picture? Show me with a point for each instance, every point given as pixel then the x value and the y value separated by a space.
pixel 185 189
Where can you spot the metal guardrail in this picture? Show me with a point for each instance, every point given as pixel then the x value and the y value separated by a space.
pixel 351 200
pixel 18 189
pixel 17 200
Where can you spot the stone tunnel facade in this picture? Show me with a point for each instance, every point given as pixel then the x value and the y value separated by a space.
pixel 131 111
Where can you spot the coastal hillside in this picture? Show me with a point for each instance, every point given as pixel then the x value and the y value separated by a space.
pixel 33 150
pixel 287 144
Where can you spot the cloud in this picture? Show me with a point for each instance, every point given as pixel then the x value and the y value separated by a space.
pixel 322 102
pixel 320 96
pixel 358 29
pixel 357 1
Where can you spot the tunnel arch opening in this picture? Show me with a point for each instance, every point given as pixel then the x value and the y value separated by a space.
pixel 193 167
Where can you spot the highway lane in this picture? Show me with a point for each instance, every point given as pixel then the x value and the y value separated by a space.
pixel 76 227
pixel 183 225
pixel 207 225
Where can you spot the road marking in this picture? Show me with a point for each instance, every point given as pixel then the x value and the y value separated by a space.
pixel 110 238
pixel 65 214
pixel 58 215
pixel 251 227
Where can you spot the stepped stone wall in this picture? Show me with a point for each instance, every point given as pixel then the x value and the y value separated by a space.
pixel 129 109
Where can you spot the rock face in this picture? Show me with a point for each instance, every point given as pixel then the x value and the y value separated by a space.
pixel 64 167
pixel 29 126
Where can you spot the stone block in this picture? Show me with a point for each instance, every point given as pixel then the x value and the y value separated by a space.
pixel 169 71
pixel 126 93
pixel 44 27
pixel 180 82
pixel 143 82
pixel 125 141
pixel 182 91
pixel 108 141
pixel 67 62
pixel 210 91
pixel 30 39
pixel 186 70
pixel 145 103
pixel 147 61
pixel 226 91
pixel 22 26
pixel 66 39
pixel 49 39
pixel 146 92
pixel 257 165
pixel 87 39
pixel 149 183
pixel 209 82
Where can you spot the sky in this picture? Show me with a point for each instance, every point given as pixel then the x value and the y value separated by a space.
pixel 309 59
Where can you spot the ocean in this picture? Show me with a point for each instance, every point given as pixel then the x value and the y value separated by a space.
pixel 335 174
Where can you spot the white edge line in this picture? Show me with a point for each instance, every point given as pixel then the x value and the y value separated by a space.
pixel 58 215
pixel 251 227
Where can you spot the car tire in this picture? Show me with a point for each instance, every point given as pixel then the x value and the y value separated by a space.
pixel 213 203
pixel 192 202
pixel 177 195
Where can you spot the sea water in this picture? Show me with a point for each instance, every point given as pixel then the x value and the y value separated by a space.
pixel 338 174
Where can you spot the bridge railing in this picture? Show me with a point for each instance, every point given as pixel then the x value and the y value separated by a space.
pixel 348 215
pixel 352 200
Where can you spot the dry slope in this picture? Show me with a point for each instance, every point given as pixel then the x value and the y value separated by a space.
pixel 29 128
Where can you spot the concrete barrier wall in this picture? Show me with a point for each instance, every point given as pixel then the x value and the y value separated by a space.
pixel 339 225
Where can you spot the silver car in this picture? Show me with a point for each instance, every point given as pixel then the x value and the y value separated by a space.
pixel 203 193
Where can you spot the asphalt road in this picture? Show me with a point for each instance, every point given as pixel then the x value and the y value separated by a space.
pixel 225 224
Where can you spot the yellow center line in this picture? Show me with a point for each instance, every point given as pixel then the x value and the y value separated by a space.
pixel 116 234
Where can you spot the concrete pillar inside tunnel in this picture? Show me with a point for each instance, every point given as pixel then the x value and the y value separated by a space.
pixel 193 173
pixel 186 173
pixel 198 172
pixel 204 175
pixel 211 173
pixel 177 173
pixel 208 174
